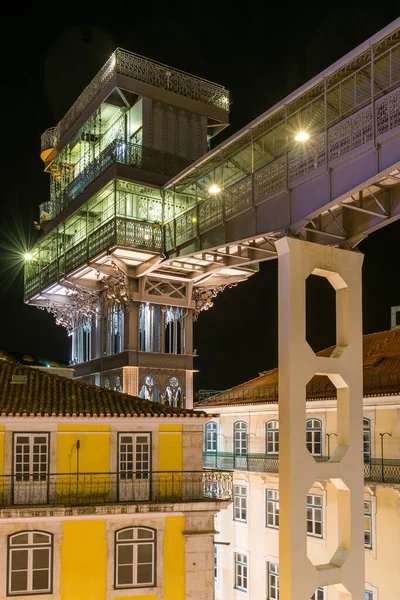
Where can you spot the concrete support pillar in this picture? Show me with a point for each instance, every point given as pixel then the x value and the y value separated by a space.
pixel 298 470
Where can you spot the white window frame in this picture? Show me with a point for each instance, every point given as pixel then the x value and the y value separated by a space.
pixel 319 594
pixel 372 500
pixel 30 548
pixel 372 590
pixel 216 562
pixel 315 507
pixel 240 438
pixel 135 542
pixel 368 515
pixel 240 502
pixel 367 430
pixel 314 430
pixel 34 472
pixel 272 502
pixel 126 457
pixel 241 564
pixel 211 437
pixel 273 580
pixel 272 431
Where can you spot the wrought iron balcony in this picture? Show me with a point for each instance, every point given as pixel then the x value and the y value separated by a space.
pixel 375 471
pixel 85 489
pixel 126 153
pixel 147 71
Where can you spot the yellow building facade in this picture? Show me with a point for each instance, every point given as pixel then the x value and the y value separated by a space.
pixel 102 495
pixel 245 438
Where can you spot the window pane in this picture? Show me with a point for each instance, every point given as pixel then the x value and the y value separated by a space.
pixel 40 558
pixel 127 534
pixel 19 539
pixel 125 554
pixel 40 580
pixel 19 560
pixel 145 533
pixel 145 553
pixel 40 538
pixel 19 581
pixel 145 574
pixel 125 575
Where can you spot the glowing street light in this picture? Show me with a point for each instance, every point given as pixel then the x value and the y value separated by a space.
pixel 28 256
pixel 214 189
pixel 302 136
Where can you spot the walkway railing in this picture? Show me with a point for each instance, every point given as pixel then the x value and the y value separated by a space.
pixel 83 489
pixel 376 470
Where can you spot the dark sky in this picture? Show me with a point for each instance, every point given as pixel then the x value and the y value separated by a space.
pixel 261 52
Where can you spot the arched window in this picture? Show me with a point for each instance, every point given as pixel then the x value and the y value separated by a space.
pixel 173 393
pixel 135 564
pixel 211 437
pixel 149 390
pixel 272 435
pixel 30 563
pixel 240 437
pixel 367 440
pixel 314 436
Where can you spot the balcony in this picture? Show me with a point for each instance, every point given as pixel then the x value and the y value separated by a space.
pixel 90 489
pixel 375 471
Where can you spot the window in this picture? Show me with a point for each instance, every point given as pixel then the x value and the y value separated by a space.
pixel 240 503
pixel 135 557
pixel 272 437
pixel 273 581
pixel 30 563
pixel 367 440
pixel 319 594
pixel 272 505
pixel 115 340
pixel 369 595
pixel 81 343
pixel 314 436
pixel 367 525
pixel 216 561
pixel 30 456
pixel 211 437
pixel 134 455
pixel 241 573
pixel 314 515
pixel 240 437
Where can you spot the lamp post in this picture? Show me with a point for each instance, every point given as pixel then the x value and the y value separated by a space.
pixel 328 435
pixel 382 469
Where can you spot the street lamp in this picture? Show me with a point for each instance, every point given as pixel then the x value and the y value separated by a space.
pixel 382 436
pixel 328 435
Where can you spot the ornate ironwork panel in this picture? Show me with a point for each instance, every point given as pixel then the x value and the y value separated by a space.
pixel 139 234
pixel 307 157
pixel 270 179
pixel 48 139
pixel 388 112
pixel 169 235
pixel 32 285
pixel 186 226
pixel 75 256
pixel 350 133
pixel 238 197
pixel 48 274
pixel 210 214
pixel 102 238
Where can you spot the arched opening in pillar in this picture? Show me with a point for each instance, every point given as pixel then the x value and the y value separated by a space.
pixel 320 313
pixel 173 395
pixel 149 389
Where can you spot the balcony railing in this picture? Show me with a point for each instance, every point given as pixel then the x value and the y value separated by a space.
pixel 84 489
pixel 126 153
pixel 376 470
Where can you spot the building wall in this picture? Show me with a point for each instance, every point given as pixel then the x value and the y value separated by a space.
pixel 261 544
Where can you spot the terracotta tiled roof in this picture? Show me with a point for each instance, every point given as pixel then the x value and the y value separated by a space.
pixel 381 376
pixel 45 394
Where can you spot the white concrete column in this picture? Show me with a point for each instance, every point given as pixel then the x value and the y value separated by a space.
pixel 298 470
pixel 130 380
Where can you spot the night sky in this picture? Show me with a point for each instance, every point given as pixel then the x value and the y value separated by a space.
pixel 261 53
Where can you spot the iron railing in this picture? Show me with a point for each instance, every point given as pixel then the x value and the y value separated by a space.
pixel 141 69
pixel 376 470
pixel 83 489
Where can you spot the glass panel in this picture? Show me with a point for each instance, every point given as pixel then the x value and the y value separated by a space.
pixel 145 574
pixel 125 575
pixel 22 440
pixel 19 560
pixel 41 558
pixel 145 533
pixel 19 581
pixel 40 440
pixel 41 538
pixel 22 538
pixel 126 534
pixel 40 580
pixel 125 554
pixel 145 553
